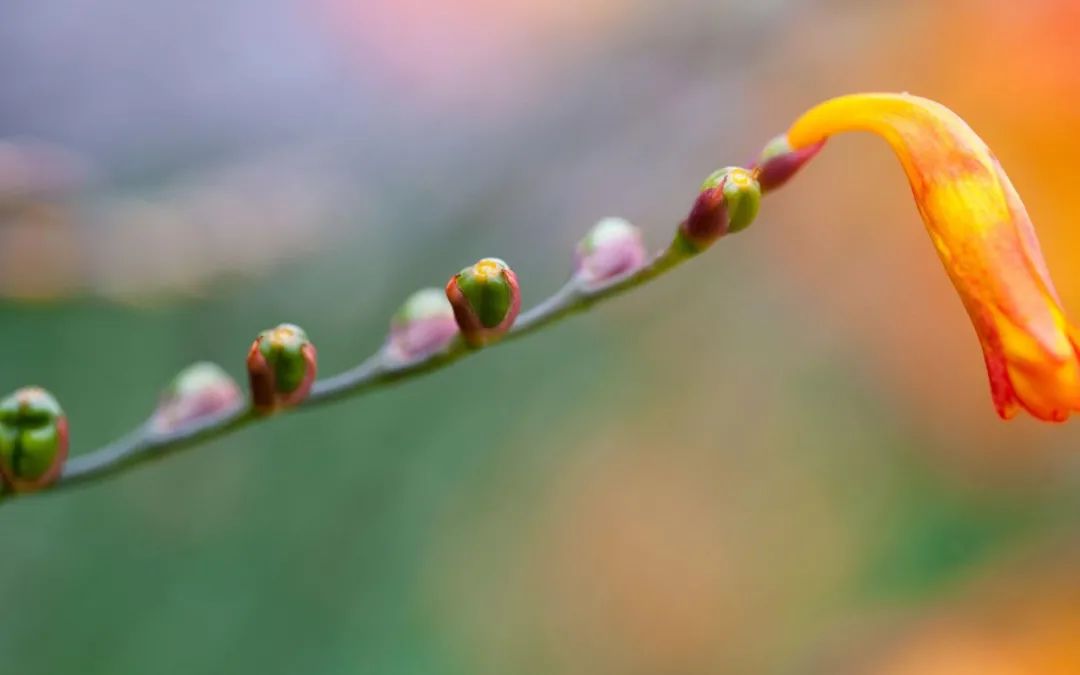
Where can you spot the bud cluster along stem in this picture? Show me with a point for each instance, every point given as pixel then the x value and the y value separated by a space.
pixel 481 305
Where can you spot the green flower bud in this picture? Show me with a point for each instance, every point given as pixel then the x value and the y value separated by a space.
pixel 728 202
pixel 33 440
pixel 281 368
pixel 486 300
pixel 424 325
pixel 743 196
pixel 198 391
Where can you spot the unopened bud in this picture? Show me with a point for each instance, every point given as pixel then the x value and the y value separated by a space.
pixel 423 326
pixel 728 202
pixel 33 440
pixel 486 300
pixel 281 368
pixel 612 249
pixel 198 391
pixel 779 162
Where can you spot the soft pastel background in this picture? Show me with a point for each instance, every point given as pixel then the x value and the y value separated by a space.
pixel 781 459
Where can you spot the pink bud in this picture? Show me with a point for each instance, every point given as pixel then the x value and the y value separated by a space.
pixel 200 390
pixel 612 249
pixel 424 325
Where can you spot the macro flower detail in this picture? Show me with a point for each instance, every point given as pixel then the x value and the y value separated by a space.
pixel 984 238
pixel 199 391
pixel 424 325
pixel 33 440
pixel 281 367
pixel 779 162
pixel 486 300
pixel 612 249
pixel 728 202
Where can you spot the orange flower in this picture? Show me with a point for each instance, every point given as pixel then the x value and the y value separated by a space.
pixel 985 240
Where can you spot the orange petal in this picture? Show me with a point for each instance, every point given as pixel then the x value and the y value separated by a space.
pixel 985 240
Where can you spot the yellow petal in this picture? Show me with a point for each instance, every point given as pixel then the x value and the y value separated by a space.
pixel 985 240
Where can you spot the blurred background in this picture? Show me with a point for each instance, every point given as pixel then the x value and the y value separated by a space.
pixel 781 459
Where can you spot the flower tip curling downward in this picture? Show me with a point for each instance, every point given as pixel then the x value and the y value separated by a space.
pixel 983 236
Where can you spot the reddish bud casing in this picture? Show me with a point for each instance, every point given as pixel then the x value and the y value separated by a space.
pixel 779 162
pixel 486 299
pixel 281 364
pixel 728 202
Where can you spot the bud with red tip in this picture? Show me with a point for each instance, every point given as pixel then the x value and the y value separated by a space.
pixel 281 368
pixel 198 391
pixel 779 162
pixel 612 249
pixel 486 300
pixel 728 202
pixel 33 440
pixel 424 325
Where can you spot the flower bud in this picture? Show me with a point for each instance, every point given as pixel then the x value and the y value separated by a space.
pixel 728 202
pixel 424 325
pixel 281 368
pixel 612 249
pixel 33 440
pixel 779 162
pixel 198 391
pixel 486 300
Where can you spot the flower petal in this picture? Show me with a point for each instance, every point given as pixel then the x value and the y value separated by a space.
pixel 985 240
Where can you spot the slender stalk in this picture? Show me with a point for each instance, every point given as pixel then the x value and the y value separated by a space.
pixel 146 443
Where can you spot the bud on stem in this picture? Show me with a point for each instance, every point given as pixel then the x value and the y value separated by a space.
pixel 33 440
pixel 612 249
pixel 424 325
pixel 779 162
pixel 200 390
pixel 728 202
pixel 281 368
pixel 486 300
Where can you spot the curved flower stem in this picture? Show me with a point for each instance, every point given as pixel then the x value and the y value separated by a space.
pixel 146 443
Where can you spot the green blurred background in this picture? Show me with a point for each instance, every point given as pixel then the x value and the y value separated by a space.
pixel 780 459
